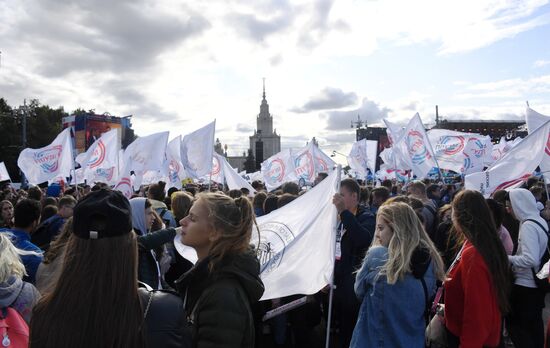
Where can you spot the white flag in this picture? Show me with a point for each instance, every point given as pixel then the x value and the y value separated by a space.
pixel 100 162
pixel 145 154
pixel 449 148
pixel 535 120
pixel 4 175
pixel 515 167
pixel 363 156
pixel 124 183
pixel 414 149
pixel 49 162
pixel 173 166
pixel 393 130
pixel 278 169
pixel 217 174
pixel 323 162
pixel 197 150
pixel 296 246
pixel 387 172
pixel 310 161
pixel 233 179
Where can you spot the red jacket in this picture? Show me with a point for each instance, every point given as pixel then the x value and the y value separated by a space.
pixel 471 307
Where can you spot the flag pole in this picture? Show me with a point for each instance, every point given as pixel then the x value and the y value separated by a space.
pixel 331 293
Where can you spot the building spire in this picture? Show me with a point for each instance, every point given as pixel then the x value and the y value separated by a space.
pixel 264 88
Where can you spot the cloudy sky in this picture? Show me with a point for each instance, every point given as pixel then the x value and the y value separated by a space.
pixel 178 66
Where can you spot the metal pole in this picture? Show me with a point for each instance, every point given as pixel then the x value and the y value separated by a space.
pixel 331 294
pixel 24 140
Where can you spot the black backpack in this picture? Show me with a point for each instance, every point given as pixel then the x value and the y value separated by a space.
pixel 542 284
pixel 164 317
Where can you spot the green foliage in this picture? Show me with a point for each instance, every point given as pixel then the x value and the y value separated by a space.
pixel 43 125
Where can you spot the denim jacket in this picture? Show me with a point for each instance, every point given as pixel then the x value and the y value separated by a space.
pixel 390 315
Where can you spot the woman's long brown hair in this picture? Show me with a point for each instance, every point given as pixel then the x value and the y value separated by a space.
pixel 472 216
pixel 95 303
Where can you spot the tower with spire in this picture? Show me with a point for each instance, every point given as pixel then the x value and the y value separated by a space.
pixel 265 142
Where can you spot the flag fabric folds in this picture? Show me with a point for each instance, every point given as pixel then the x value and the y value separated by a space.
pixel 413 149
pixel 145 154
pixel 4 175
pixel 296 243
pixel 278 169
pixel 197 150
pixel 52 161
pixel 362 156
pixel 515 167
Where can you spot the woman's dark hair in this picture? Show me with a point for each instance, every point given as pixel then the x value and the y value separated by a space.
pixel 59 242
pixel 270 203
pixel 235 193
pixel 472 217
pixel 95 302
pixel 26 212
pixel 35 193
pixel 284 199
pixel 49 201
pixel 156 191
pixel 497 211
pixel 259 199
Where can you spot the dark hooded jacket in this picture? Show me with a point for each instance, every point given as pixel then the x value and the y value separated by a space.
pixel 219 302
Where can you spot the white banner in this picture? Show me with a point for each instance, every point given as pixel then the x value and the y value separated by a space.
pixel 362 156
pixel 48 162
pixel 515 167
pixel 310 161
pixel 297 241
pixel 233 179
pixel 278 169
pixel 197 150
pixel 100 162
pixel 145 154
pixel 4 175
pixel 535 120
pixel 414 149
pixel 173 165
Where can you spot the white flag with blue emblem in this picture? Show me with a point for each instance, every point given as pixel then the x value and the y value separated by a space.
pixel 49 162
pixel 296 243
pixel 413 148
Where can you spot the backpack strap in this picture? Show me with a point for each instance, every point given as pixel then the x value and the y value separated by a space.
pixel 540 225
pixel 547 249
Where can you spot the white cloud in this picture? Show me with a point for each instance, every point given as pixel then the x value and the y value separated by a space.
pixel 510 88
pixel 179 65
pixel 541 63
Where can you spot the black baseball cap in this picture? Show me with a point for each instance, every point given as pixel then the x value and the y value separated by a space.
pixel 102 214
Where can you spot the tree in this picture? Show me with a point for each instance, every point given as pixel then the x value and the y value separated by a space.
pixel 43 125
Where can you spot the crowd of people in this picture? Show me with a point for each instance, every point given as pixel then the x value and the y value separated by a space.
pixel 87 267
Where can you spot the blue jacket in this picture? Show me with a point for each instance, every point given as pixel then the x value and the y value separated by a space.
pixel 22 240
pixel 390 315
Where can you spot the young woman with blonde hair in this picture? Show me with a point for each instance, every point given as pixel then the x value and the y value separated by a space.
pixel 14 292
pixel 220 290
pixel 396 281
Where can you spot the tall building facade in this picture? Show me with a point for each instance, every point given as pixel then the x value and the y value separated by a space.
pixel 265 142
